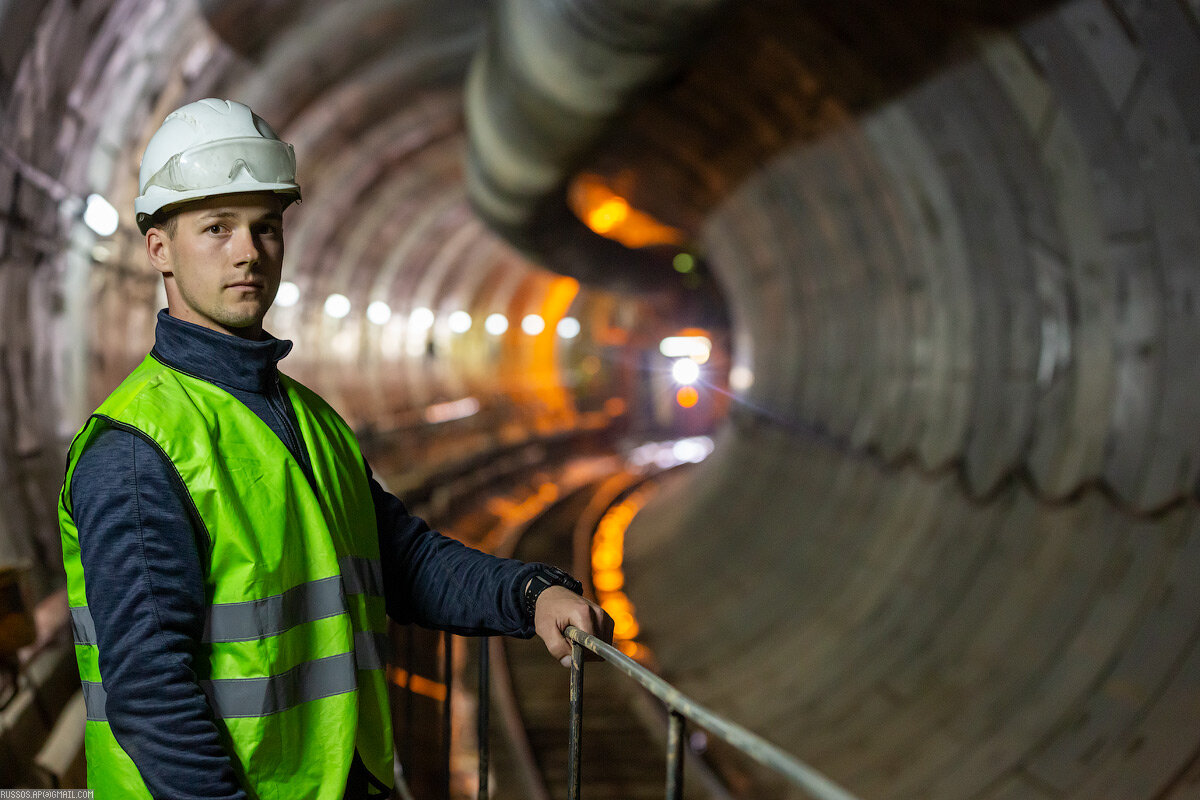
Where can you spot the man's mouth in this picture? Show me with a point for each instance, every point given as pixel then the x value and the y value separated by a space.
pixel 244 285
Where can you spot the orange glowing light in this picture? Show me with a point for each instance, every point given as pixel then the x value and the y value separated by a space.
pixel 418 685
pixel 614 406
pixel 608 553
pixel 542 370
pixel 631 649
pixel 607 559
pixel 687 396
pixel 609 214
pixel 608 580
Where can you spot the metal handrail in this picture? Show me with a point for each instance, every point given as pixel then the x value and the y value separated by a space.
pixel 681 707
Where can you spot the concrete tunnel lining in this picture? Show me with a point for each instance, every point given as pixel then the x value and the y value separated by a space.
pixel 943 469
pixel 958 249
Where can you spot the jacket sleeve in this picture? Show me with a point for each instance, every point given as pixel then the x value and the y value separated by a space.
pixel 438 582
pixel 145 591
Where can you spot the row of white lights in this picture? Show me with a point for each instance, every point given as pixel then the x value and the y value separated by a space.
pixel 379 312
pixel 688 352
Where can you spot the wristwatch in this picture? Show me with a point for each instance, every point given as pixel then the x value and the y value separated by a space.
pixel 542 579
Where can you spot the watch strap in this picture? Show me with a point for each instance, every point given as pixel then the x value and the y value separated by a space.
pixel 542 579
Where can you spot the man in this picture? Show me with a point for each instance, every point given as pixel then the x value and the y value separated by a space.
pixel 229 557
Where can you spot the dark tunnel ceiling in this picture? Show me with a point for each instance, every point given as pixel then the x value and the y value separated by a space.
pixel 951 519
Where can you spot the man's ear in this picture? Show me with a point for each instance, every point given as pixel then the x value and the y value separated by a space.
pixel 158 250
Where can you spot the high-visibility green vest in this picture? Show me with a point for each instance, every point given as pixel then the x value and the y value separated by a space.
pixel 292 660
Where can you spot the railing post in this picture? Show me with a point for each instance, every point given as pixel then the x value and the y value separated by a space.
pixel 748 743
pixel 675 732
pixel 575 744
pixel 448 679
pixel 482 734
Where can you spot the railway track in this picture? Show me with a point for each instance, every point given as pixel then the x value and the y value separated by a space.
pixel 624 731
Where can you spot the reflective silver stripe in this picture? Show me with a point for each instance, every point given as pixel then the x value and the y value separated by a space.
pixel 83 627
pixel 371 649
pixel 94 698
pixel 250 619
pixel 259 697
pixel 362 575
pixel 268 616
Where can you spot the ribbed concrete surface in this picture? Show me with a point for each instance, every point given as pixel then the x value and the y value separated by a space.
pixel 915 643
pixel 946 546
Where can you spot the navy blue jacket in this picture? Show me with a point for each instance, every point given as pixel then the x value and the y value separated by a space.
pixel 144 577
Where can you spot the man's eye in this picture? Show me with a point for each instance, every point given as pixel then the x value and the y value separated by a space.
pixel 214 229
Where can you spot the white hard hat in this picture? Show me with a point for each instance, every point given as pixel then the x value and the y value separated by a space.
pixel 208 148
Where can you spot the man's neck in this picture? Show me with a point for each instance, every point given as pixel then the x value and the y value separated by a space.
pixel 251 333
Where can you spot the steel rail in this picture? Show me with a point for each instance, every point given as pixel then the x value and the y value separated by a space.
pixel 754 746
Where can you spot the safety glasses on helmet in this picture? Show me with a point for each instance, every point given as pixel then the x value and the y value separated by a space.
pixel 218 163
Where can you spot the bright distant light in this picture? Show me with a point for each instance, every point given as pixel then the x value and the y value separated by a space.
pixel 100 216
pixel 741 378
pixel 337 305
pixel 421 318
pixel 533 324
pixel 568 327
pixel 288 294
pixel 460 322
pixel 455 409
pixel 379 312
pixel 496 324
pixel 670 454
pixel 685 371
pixel 697 348
pixel 692 450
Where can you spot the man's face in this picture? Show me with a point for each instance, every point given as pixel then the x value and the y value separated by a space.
pixel 222 266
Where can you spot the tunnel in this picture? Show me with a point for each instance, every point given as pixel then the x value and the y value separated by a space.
pixel 943 253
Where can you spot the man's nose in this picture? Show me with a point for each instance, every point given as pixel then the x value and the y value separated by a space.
pixel 245 246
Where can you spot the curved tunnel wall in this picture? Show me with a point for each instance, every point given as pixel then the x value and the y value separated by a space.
pixel 370 94
pixel 951 519
pixel 947 545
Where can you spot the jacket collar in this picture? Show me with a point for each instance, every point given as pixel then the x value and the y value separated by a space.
pixel 218 357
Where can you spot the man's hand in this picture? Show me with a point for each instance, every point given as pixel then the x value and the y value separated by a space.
pixel 557 607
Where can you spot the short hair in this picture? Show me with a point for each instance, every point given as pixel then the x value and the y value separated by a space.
pixel 166 221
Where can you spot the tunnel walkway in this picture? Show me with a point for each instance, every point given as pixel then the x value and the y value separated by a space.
pixel 625 728
pixel 621 760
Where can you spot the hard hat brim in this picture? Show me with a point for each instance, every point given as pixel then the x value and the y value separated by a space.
pixel 157 200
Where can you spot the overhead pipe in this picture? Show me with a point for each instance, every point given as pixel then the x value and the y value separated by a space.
pixel 544 89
